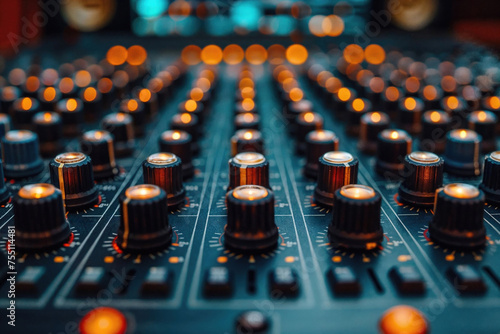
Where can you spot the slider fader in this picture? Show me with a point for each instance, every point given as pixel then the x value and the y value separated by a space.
pixel 257 189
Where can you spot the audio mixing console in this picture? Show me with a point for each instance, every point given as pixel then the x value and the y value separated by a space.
pixel 211 210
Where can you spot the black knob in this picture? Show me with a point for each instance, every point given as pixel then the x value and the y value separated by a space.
pixel 98 145
pixel 165 171
pixel 135 109
pixel 392 147
pixel 48 98
pixel 484 123
pixel 356 218
pixel 491 178
pixel 461 156
pixel 247 140
pixel 336 169
pixel 49 127
pixel 422 176
pixel 410 114
pixel 179 143
pixel 71 111
pixel 458 217
pixel 23 111
pixel 5 124
pixel 72 173
pixel 248 168
pixel 20 154
pixel 120 126
pixel 355 111
pixel 144 220
pixel 435 125
pixel 92 104
pixel 40 218
pixel 250 219
pixel 306 122
pixel 4 191
pixel 318 142
pixel 371 125
pixel 9 95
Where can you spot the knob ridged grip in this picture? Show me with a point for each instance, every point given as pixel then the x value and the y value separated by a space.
pixel 422 175
pixel 458 217
pixel 20 154
pixel 356 218
pixel 491 178
pixel 144 220
pixel 99 146
pixel 40 218
pixel 248 168
pixel 72 173
pixel 250 219
pixel 336 169
pixel 165 171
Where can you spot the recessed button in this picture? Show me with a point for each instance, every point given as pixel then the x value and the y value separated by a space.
pixel 218 282
pixel 343 281
pixel 284 282
pixel 29 279
pixel 254 322
pixel 158 281
pixel 466 279
pixel 407 280
pixel 91 280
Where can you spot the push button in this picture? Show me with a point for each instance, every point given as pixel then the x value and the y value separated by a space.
pixel 158 281
pixel 218 282
pixel 407 280
pixel 284 282
pixel 343 281
pixel 466 279
pixel 91 280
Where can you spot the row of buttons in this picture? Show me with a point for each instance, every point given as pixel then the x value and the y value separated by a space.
pixel 283 281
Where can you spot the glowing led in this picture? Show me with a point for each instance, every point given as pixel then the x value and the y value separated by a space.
pixel 90 94
pixel 248 104
pixel 26 103
pixel 338 157
pixel 37 191
pixel 250 192
pixel 461 190
pixel 423 157
pixel 249 158
pixel 358 105
pixel 142 192
pixel 162 158
pixel 144 95
pixel 70 157
pixel 357 191
pixel 344 94
pixel 410 103
pixel 103 320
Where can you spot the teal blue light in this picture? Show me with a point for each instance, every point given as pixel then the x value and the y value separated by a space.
pixel 151 8
pixel 246 15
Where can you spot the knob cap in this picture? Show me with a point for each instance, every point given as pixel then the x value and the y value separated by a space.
pixel 484 123
pixel 135 109
pixel 491 178
pixel 458 216
pixel 4 191
pixel 247 120
pixel 392 147
pixel 20 154
pixel 318 142
pixel 40 218
pixel 435 125
pixel 72 173
pixel 247 140
pixel 120 126
pixel 23 111
pixel 336 169
pixel 179 143
pixel 356 218
pixel 423 174
pixel 461 156
pixel 144 219
pixel 165 171
pixel 250 219
pixel 248 168
pixel 98 145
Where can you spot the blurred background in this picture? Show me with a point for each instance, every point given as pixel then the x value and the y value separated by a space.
pixel 25 23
